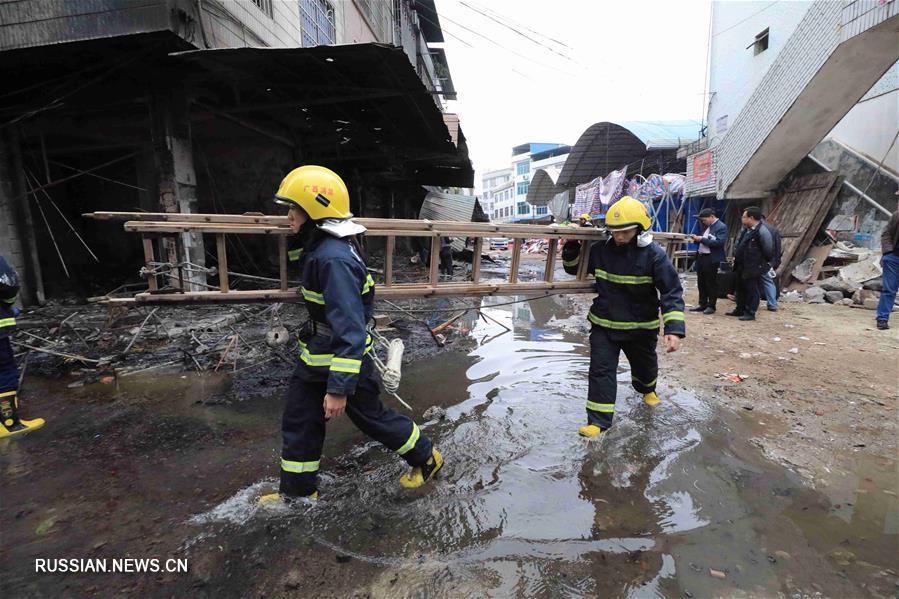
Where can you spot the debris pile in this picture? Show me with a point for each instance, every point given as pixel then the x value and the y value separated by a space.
pixel 848 275
pixel 99 343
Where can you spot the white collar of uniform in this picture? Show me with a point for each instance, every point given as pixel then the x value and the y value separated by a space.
pixel 644 239
pixel 340 228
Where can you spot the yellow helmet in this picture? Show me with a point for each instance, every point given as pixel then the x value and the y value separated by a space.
pixel 628 213
pixel 317 190
pixel 585 216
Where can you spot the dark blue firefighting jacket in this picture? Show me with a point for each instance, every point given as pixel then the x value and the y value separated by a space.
pixel 633 285
pixel 339 293
pixel 9 288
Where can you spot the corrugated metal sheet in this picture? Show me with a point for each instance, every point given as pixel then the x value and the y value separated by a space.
pixel 663 135
pixel 543 187
pixel 447 206
pixel 47 22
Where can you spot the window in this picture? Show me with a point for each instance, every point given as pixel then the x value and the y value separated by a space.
pixel 523 168
pixel 521 188
pixel 524 208
pixel 507 211
pixel 542 210
pixel 761 42
pixel 316 23
pixel 265 6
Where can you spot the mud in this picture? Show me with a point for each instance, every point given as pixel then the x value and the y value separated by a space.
pixel 171 466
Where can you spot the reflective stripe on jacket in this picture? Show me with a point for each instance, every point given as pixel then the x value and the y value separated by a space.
pixel 338 292
pixel 637 287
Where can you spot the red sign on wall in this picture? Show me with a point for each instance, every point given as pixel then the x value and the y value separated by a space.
pixel 702 167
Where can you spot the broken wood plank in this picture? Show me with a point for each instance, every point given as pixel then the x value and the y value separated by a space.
pixel 516 260
pixel 583 260
pixel 551 251
pixel 476 260
pixel 388 260
pixel 282 263
pixel 223 262
pixel 149 256
pixel 434 257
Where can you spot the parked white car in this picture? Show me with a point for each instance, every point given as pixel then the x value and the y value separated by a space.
pixel 499 243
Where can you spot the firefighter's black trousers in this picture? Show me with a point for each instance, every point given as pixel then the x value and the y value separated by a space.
pixel 605 347
pixel 303 427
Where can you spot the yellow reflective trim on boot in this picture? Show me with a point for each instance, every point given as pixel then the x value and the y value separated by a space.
pixel 418 476
pixel 589 430
pixel 279 500
pixel 24 426
pixel 651 399
pixel 413 439
pixel 299 467
pixel 607 408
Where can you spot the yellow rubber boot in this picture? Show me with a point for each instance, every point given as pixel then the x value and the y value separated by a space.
pixel 422 474
pixel 11 428
pixel 651 399
pixel 277 499
pixel 589 431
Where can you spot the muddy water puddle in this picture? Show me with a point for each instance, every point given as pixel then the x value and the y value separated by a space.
pixel 673 501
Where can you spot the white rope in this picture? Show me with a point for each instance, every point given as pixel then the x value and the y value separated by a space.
pixel 391 374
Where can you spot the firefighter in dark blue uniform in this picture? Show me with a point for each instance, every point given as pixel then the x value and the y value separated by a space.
pixel 10 422
pixel 635 281
pixel 335 373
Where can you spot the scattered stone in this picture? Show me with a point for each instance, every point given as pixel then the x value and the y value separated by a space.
pixel 775 339
pixel 717 574
pixel 861 295
pixel 846 301
pixel 791 297
pixel 804 338
pixel 745 356
pixel 803 270
pixel 870 303
pixel 833 297
pixel 837 284
pixel 794 350
pixel 293 580
pixel 814 295
pixel 875 285
pixel 842 558
pixel 434 413
pixel 782 555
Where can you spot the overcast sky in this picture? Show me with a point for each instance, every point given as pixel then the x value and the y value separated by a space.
pixel 612 60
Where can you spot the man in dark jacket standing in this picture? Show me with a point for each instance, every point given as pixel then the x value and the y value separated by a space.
pixel 709 256
pixel 752 258
pixel 889 245
pixel 635 282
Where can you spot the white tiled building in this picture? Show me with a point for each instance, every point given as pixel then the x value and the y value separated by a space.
pixel 506 190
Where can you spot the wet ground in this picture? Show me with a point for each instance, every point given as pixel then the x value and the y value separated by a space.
pixel 674 501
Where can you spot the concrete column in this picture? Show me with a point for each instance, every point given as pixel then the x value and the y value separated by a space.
pixel 17 241
pixel 176 178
